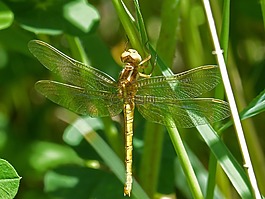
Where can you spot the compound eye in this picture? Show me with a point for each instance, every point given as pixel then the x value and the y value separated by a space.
pixel 135 55
pixel 132 51
pixel 131 56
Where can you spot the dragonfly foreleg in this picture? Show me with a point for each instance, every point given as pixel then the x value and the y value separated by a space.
pixel 145 66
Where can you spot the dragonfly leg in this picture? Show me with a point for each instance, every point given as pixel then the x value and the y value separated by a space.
pixel 143 67
pixel 144 61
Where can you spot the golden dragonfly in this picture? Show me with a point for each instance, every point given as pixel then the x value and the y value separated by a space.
pixel 89 91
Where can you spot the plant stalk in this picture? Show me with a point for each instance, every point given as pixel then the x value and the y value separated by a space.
pixel 231 100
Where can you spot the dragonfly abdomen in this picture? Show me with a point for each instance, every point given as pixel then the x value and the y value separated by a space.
pixel 128 128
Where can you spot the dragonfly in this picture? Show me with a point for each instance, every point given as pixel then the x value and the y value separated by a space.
pixel 169 101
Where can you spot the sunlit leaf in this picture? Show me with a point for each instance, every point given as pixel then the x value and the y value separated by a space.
pixel 6 16
pixel 47 155
pixel 81 14
pixel 74 139
pixel 9 180
pixel 231 167
pixel 55 17
pixel 80 182
pixel 201 173
pixel 106 153
pixel 256 106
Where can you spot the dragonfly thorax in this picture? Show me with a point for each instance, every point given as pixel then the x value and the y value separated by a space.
pixel 131 56
pixel 127 82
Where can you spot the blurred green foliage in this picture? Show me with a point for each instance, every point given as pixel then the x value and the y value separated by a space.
pixel 31 127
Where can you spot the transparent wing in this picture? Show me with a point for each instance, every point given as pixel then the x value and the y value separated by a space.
pixel 184 113
pixel 80 100
pixel 188 84
pixel 70 70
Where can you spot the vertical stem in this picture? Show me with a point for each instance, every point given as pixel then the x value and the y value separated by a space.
pixel 262 2
pixel 185 163
pixel 166 47
pixel 154 135
pixel 230 97
pixel 211 177
pixel 219 93
pixel 128 24
pixel 225 28
pixel 77 49
pixel 151 157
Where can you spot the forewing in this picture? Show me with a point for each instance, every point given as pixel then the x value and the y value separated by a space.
pixel 188 84
pixel 184 113
pixel 70 70
pixel 80 100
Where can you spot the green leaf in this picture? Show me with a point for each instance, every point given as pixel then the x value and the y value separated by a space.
pixel 79 182
pixel 229 164
pixel 128 23
pixel 201 173
pixel 231 167
pixel 140 24
pixel 47 155
pixel 106 153
pixel 72 138
pixel 164 69
pixel 168 32
pixel 256 106
pixel 9 180
pixel 55 17
pixel 81 15
pixel 6 16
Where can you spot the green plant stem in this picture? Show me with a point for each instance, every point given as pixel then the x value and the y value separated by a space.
pixel 151 157
pixel 233 107
pixel 185 162
pixel 168 33
pixel 113 137
pixel 224 39
pixel 128 24
pixel 178 145
pixel 140 23
pixel 219 93
pixel 191 35
pixel 154 134
pixel 166 52
pixel 77 49
pixel 262 3
pixel 107 154
pixel 211 177
pixel 231 167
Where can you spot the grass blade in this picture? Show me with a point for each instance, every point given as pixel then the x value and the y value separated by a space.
pixel 255 107
pixel 232 168
pixel 231 100
pixel 106 153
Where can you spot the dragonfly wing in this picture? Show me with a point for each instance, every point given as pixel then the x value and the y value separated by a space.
pixel 188 84
pixel 80 100
pixel 70 70
pixel 183 113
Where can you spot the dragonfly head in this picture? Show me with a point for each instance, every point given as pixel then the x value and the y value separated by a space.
pixel 131 56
